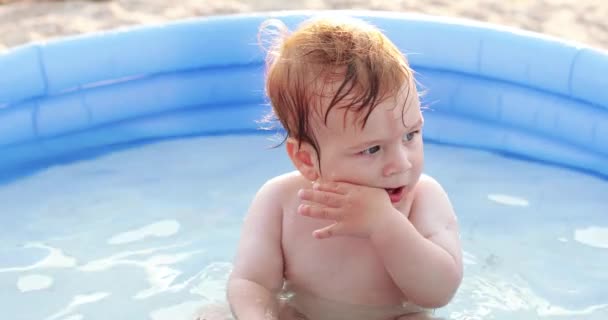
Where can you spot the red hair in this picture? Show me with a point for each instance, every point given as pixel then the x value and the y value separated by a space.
pixel 353 58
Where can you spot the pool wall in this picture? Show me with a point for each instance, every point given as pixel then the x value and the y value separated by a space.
pixel 488 87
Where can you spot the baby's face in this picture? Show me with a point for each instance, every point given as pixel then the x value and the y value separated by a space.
pixel 384 154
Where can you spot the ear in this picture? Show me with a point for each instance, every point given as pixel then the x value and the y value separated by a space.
pixel 304 158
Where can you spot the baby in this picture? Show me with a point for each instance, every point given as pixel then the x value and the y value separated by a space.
pixel 357 231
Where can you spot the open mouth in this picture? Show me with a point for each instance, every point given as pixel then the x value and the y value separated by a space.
pixel 395 193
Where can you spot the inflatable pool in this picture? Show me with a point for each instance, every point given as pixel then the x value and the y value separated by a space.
pixel 493 89
pixel 507 94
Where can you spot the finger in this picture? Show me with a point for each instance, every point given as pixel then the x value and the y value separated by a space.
pixel 320 212
pixel 335 187
pixel 328 232
pixel 329 199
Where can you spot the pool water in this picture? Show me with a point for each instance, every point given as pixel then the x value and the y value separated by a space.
pixel 150 232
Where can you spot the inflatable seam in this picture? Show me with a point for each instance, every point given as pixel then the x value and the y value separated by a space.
pixel 43 74
pixel 85 106
pixel 579 51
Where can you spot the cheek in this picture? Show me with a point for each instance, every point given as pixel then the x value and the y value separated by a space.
pixel 347 169
pixel 331 168
pixel 417 157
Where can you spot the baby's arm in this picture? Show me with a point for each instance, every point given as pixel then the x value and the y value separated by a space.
pixel 257 276
pixel 423 254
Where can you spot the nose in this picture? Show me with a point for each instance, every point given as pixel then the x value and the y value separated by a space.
pixel 397 163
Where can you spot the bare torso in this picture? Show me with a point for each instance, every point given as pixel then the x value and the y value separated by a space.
pixel 344 270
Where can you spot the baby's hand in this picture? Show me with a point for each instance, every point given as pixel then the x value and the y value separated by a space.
pixel 356 210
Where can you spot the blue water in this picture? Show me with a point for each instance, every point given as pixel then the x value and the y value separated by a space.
pixel 150 232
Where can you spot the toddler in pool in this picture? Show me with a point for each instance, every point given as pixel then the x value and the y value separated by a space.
pixel 357 231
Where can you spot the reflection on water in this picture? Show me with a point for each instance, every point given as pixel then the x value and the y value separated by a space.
pixel 509 200
pixel 562 312
pixel 212 282
pixel 121 258
pixel 55 259
pixel 496 296
pixel 161 277
pixel 34 282
pixel 154 262
pixel 78 301
pixel 159 229
pixel 157 268
pixel 468 258
pixel 592 236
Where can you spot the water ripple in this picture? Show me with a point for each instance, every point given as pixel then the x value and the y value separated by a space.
pixel 55 259
pixel 161 229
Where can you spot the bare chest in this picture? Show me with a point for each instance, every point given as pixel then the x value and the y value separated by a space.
pixel 340 268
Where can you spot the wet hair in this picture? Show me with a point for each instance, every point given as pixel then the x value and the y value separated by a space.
pixel 327 63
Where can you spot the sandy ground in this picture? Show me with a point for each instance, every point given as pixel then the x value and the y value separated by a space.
pixel 23 21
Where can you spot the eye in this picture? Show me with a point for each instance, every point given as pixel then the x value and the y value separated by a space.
pixel 410 135
pixel 371 150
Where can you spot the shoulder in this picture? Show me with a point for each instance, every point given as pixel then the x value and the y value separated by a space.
pixel 270 203
pixel 428 187
pixel 284 183
pixel 431 208
pixel 281 189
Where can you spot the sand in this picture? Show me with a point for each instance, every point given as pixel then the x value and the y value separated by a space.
pixel 24 21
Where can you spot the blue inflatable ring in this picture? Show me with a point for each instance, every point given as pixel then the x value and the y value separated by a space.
pixel 488 87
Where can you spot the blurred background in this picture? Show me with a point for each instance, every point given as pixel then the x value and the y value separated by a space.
pixel 23 21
